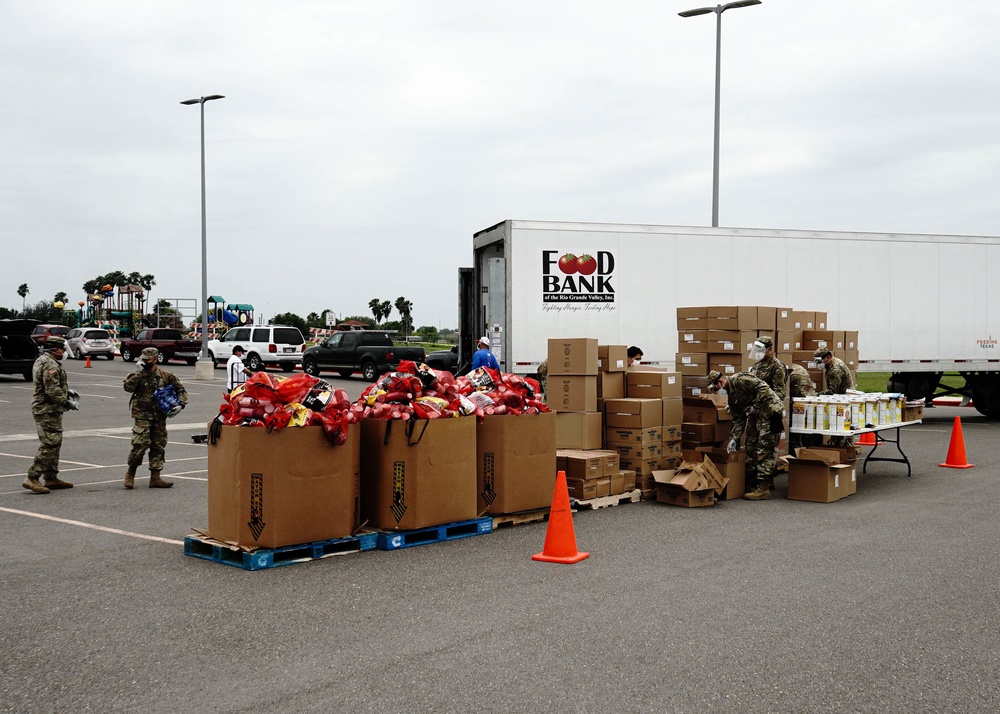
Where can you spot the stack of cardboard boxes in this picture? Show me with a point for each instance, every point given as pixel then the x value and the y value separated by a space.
pixel 583 377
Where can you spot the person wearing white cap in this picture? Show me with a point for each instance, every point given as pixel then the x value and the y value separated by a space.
pixel 483 357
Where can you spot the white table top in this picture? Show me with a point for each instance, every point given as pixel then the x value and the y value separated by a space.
pixel 869 430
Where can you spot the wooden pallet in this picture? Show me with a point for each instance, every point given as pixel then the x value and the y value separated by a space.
pixel 198 546
pixel 393 540
pixel 633 496
pixel 519 519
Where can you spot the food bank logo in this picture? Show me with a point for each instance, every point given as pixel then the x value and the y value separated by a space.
pixel 572 278
pixel 987 344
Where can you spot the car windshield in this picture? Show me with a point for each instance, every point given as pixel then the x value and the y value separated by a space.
pixel 287 336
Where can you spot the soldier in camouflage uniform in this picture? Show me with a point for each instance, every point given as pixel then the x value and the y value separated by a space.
pixel 751 400
pixel 150 428
pixel 800 385
pixel 51 399
pixel 772 372
pixel 837 375
pixel 838 380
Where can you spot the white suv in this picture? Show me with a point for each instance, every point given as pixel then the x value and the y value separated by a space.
pixel 266 345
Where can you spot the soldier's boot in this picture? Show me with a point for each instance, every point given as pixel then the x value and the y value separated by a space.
pixel 54 482
pixel 130 477
pixel 34 485
pixel 156 482
pixel 761 493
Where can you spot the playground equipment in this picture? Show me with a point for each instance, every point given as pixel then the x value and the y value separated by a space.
pixel 221 317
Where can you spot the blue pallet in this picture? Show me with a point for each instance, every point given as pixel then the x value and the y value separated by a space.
pixel 393 540
pixel 263 558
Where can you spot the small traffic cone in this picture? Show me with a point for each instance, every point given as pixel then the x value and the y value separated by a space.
pixel 560 538
pixel 956 449
pixel 867 439
pixel 88 361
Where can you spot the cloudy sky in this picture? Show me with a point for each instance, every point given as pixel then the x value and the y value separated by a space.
pixel 362 143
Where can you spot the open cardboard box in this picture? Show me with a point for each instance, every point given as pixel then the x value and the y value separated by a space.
pixel 818 475
pixel 691 484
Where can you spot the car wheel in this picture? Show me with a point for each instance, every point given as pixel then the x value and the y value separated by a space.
pixel 369 371
pixel 345 373
pixel 310 367
pixel 111 357
pixel 161 358
pixel 287 366
pixel 127 354
pixel 191 360
pixel 254 363
pixel 215 362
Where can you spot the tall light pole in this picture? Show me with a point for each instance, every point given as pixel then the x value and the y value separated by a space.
pixel 718 10
pixel 204 370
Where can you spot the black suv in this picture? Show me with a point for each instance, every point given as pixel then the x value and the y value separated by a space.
pixel 18 351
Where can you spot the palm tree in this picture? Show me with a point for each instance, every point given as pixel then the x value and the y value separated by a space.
pixel 60 297
pixel 23 291
pixel 403 307
pixel 375 306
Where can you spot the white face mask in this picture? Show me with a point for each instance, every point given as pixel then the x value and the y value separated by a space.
pixel 756 354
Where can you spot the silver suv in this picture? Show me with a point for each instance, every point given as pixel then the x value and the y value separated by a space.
pixel 265 346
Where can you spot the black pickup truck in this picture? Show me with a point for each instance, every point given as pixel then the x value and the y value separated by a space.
pixel 345 353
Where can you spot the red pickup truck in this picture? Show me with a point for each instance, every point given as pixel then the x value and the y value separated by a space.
pixel 171 344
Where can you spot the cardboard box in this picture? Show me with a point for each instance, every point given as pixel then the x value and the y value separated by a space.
pixel 585 465
pixel 821 319
pixel 817 475
pixel 692 318
pixel 767 318
pixel 638 452
pixel 612 358
pixel 708 409
pixel 803 320
pixel 727 364
pixel 850 339
pixel 672 412
pixel 641 435
pixel 812 339
pixel 689 340
pixel 784 319
pixel 679 496
pixel 582 490
pixel 692 363
pixel 565 393
pixel 603 486
pixel 672 449
pixel 572 356
pixel 698 433
pixel 516 459
pixel 644 384
pixel 631 478
pixel 611 385
pixel 672 432
pixel 787 341
pixel 692 484
pixel 418 473
pixel 913 413
pixel 642 467
pixel 578 430
pixel 287 487
pixel 632 413
pixel 618 483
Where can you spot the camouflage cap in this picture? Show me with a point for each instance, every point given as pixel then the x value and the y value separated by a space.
pixel 713 379
pixel 52 342
pixel 821 352
pixel 766 341
pixel 148 354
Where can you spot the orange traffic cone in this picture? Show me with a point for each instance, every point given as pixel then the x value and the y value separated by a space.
pixel 560 538
pixel 956 449
pixel 88 361
pixel 867 439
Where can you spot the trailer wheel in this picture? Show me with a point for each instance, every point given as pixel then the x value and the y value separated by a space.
pixel 986 395
pixel 915 385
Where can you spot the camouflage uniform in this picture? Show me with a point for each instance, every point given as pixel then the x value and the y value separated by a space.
pixel 744 391
pixel 47 407
pixel 772 371
pixel 543 374
pixel 800 385
pixel 837 377
pixel 150 428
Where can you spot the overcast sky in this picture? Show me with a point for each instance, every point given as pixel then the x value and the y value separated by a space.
pixel 361 144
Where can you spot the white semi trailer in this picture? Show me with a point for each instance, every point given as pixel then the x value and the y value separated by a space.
pixel 923 304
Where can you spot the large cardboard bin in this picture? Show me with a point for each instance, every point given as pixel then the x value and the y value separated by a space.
pixel 418 473
pixel 286 487
pixel 516 462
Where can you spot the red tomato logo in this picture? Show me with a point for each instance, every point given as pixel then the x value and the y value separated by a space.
pixel 568 264
pixel 586 264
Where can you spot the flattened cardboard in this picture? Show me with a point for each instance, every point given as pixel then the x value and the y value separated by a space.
pixel 516 462
pixel 287 487
pixel 418 473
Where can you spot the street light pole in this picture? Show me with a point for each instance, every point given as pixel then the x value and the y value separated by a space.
pixel 204 370
pixel 718 10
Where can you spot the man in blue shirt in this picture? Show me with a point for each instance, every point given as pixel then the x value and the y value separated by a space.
pixel 483 357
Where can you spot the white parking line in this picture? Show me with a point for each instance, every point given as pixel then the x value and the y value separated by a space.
pixel 193 426
pixel 98 466
pixel 81 524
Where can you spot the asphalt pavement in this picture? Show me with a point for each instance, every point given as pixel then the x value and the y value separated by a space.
pixel 884 601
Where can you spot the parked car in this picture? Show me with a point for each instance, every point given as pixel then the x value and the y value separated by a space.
pixel 345 353
pixel 42 332
pixel 447 360
pixel 18 350
pixel 265 346
pixel 83 342
pixel 170 343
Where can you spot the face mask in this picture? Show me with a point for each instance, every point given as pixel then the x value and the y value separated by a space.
pixel 148 365
pixel 722 392
pixel 756 354
pixel 819 361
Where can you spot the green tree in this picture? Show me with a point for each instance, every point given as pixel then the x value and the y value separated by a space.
pixel 376 307
pixel 404 307
pixel 314 319
pixel 361 318
pixel 59 297
pixel 23 291
pixel 290 318
pixel 428 333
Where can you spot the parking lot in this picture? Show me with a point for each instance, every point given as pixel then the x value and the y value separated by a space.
pixel 884 601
